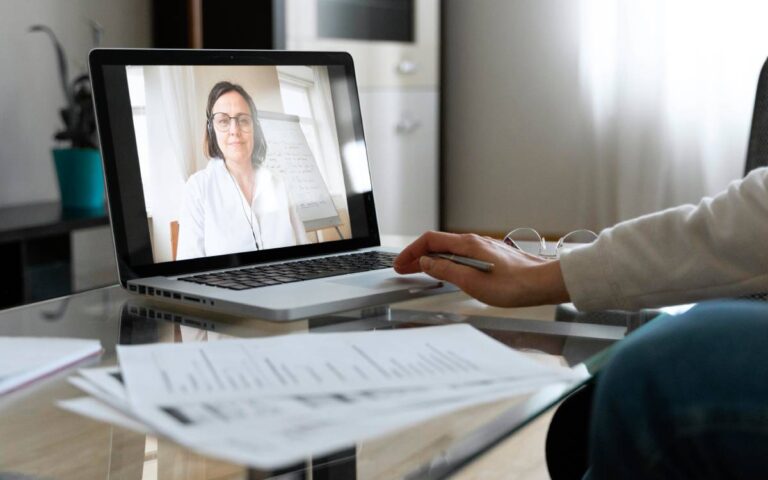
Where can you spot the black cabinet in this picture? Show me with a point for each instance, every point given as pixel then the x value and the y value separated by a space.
pixel 35 250
pixel 234 24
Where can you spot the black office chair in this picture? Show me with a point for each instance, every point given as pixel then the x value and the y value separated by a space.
pixel 757 152
pixel 567 446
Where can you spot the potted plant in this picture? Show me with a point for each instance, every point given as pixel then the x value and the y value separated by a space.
pixel 78 162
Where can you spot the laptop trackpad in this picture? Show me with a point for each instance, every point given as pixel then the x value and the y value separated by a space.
pixel 388 281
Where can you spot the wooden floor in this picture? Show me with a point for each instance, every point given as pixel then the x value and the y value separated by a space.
pixel 520 457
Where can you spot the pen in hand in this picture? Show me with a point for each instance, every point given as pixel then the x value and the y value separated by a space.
pixel 466 261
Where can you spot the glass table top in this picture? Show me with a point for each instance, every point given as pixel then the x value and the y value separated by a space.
pixel 40 440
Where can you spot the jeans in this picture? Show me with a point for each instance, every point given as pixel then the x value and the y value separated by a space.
pixel 686 397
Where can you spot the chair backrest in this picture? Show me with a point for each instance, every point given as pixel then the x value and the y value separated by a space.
pixel 174 238
pixel 757 151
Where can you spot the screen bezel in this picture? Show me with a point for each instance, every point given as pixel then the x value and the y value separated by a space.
pixel 123 214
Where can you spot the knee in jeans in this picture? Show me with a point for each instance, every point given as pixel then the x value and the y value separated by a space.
pixel 634 369
pixel 679 343
pixel 631 363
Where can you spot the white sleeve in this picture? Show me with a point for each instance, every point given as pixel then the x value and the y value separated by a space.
pixel 716 249
pixel 191 223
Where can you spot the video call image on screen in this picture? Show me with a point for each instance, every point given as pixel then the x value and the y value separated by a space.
pixel 237 158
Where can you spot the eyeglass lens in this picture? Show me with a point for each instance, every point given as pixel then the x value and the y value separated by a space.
pixel 525 239
pixel 576 236
pixel 529 240
pixel 222 121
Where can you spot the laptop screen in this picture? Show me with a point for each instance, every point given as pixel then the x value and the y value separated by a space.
pixel 216 163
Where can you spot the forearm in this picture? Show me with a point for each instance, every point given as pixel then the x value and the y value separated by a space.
pixel 544 285
pixel 714 249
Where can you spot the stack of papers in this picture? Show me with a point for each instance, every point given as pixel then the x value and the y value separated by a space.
pixel 272 402
pixel 26 359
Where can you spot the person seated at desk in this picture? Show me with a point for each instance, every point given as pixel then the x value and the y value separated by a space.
pixel 235 204
pixel 686 396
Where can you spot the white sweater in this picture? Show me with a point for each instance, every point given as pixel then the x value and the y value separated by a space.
pixel 216 219
pixel 716 249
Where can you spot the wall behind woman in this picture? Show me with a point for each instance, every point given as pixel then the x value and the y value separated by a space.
pixel 513 138
pixel 30 92
pixel 560 114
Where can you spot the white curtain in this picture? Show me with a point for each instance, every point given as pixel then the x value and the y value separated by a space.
pixel 175 125
pixel 322 106
pixel 182 116
pixel 669 86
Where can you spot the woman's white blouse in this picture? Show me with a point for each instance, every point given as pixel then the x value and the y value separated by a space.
pixel 216 218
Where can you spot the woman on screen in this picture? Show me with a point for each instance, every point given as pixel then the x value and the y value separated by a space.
pixel 235 204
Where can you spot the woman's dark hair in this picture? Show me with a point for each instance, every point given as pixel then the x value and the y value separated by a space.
pixel 210 146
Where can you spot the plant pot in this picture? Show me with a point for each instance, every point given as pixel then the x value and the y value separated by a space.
pixel 81 178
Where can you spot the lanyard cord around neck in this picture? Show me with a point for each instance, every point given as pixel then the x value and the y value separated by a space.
pixel 248 218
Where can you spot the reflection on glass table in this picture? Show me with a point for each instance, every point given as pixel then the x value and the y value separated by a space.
pixel 40 440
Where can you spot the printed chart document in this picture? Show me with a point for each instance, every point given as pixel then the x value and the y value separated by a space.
pixel 318 364
pixel 26 359
pixel 269 402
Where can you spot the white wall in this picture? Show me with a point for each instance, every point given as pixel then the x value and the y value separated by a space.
pixel 514 138
pixel 30 92
pixel 564 114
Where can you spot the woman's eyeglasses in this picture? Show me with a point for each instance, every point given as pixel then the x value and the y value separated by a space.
pixel 222 121
pixel 529 240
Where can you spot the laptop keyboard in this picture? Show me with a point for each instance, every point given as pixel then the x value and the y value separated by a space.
pixel 266 275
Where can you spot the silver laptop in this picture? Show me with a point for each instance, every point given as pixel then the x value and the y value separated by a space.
pixel 239 181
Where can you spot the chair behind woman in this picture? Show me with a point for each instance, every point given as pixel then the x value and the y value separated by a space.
pixel 757 153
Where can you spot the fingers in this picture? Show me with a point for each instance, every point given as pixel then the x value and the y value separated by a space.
pixel 447 270
pixel 408 260
pixel 440 242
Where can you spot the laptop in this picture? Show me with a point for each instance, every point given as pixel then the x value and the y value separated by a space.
pixel 238 181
